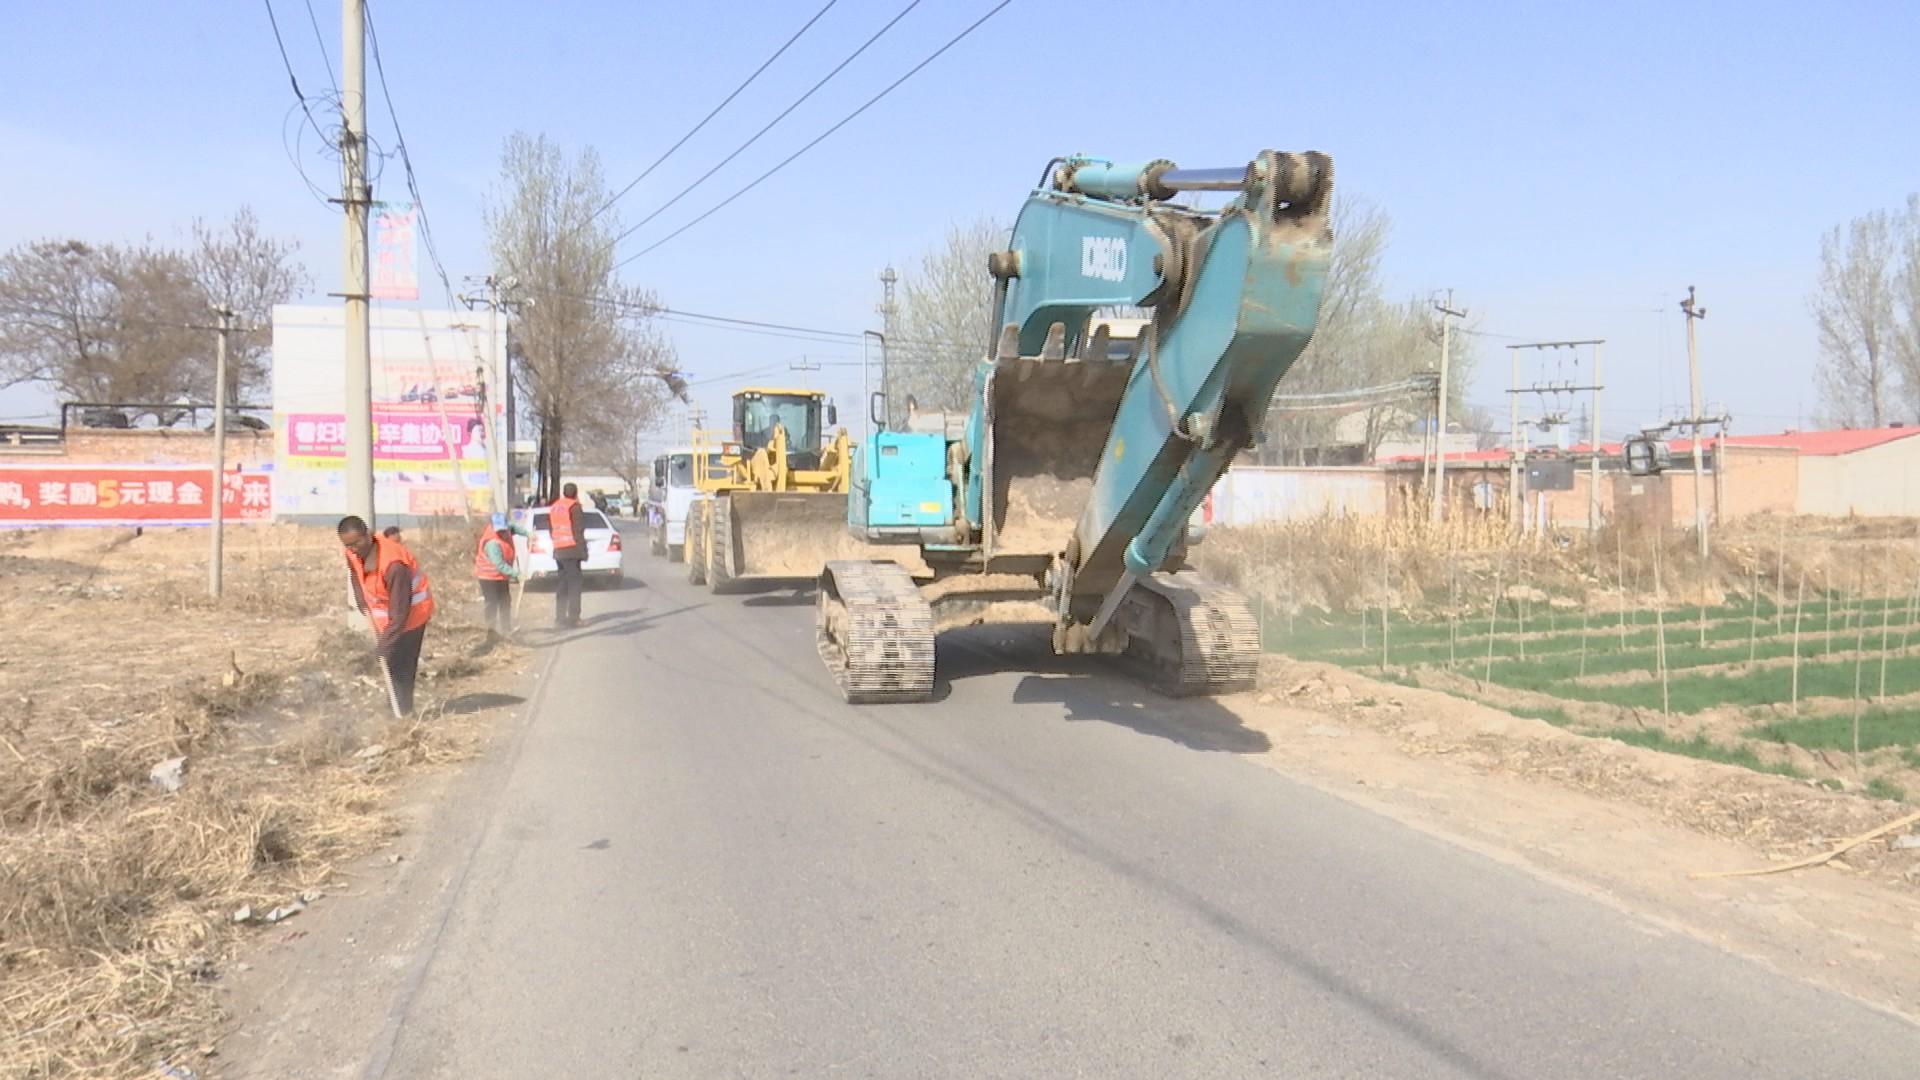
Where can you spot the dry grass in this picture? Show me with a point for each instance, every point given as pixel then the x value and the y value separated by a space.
pixel 116 897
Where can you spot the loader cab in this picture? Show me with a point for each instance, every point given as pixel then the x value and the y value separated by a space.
pixel 755 412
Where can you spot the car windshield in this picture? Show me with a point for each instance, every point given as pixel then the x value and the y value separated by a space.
pixel 680 470
pixel 800 415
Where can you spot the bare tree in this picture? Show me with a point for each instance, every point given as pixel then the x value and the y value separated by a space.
pixel 103 323
pixel 589 362
pixel 242 269
pixel 1362 340
pixel 942 332
pixel 1906 299
pixel 1853 310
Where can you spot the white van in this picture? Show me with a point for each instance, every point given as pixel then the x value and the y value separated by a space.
pixel 668 497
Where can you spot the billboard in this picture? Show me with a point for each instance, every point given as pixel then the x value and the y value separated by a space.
pixel 434 419
pixel 395 271
pixel 129 495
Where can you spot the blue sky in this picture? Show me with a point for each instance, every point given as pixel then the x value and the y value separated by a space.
pixel 1567 171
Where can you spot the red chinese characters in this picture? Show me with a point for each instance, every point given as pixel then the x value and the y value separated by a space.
pixel 133 494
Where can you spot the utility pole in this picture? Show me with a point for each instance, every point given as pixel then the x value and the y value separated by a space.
pixel 219 520
pixel 1447 314
pixel 1694 313
pixel 887 280
pixel 1593 444
pixel 356 198
pixel 500 378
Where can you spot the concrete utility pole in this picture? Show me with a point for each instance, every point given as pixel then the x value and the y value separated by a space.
pixel 1447 314
pixel 355 199
pixel 1594 443
pixel 500 379
pixel 1694 313
pixel 219 521
pixel 887 280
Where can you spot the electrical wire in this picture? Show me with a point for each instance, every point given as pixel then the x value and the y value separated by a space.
pixel 292 79
pixel 695 130
pixel 325 60
pixel 755 137
pixel 818 139
pixel 406 163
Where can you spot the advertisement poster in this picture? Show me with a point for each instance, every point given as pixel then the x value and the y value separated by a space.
pixel 431 448
pixel 395 273
pixel 129 495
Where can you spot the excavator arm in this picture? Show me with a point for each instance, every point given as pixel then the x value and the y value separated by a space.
pixel 1234 296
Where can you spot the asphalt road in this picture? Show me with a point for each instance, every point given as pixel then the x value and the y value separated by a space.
pixel 701 863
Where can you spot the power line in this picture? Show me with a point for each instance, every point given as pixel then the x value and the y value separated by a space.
pixel 406 162
pixel 292 79
pixel 325 60
pixel 755 137
pixel 819 335
pixel 818 139
pixel 728 100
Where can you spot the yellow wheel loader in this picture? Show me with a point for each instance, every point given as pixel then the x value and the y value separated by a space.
pixel 773 502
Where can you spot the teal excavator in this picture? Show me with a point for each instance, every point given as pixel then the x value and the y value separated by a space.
pixel 1066 495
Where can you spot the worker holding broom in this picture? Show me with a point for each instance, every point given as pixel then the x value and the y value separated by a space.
pixel 392 591
pixel 494 567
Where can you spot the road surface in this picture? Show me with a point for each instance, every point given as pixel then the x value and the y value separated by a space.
pixel 696 861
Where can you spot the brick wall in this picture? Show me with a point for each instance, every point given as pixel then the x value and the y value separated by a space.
pixel 96 446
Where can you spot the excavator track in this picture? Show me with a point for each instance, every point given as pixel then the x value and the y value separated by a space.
pixel 720 545
pixel 696 544
pixel 1198 637
pixel 875 633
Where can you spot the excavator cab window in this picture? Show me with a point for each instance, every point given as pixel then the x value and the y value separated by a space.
pixel 754 416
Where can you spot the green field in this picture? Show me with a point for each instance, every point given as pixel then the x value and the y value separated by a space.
pixel 1805 688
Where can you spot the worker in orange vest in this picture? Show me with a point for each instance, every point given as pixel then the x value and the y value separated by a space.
pixel 392 591
pixel 567 525
pixel 494 567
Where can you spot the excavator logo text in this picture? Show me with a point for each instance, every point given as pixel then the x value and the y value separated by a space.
pixel 1103 257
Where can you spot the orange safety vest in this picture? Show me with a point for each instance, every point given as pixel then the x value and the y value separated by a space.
pixel 373 584
pixel 483 566
pixel 560 522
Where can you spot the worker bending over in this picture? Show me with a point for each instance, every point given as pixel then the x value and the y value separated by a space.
pixel 392 591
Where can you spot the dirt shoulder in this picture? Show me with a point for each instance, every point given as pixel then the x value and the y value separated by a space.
pixel 1628 825
pixel 178 778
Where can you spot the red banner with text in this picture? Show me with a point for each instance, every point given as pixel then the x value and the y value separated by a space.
pixel 128 495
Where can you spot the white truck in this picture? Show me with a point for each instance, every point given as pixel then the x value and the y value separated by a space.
pixel 668 497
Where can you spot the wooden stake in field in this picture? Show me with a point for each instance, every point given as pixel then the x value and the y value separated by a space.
pixel 1620 550
pixel 1386 595
pixel 1829 649
pixel 1886 631
pixel 1798 600
pixel 1526 576
pixel 1586 605
pixel 1859 658
pixel 1780 581
pixel 1453 612
pixel 1660 634
pixel 1493 611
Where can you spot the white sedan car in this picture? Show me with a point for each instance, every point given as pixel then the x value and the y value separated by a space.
pixel 536 552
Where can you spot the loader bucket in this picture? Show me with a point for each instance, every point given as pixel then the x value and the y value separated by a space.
pixel 776 535
pixel 1049 424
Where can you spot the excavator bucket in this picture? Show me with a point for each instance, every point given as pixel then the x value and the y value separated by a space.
pixel 775 535
pixel 1049 421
